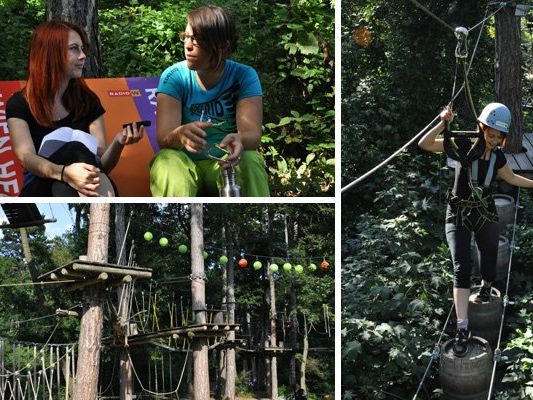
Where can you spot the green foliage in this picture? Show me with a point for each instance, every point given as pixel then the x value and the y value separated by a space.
pixel 19 18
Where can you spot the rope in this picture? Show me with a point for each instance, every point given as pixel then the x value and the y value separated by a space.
pixel 416 3
pixel 486 18
pixel 497 351
pixel 175 391
pixel 17 372
pixel 380 165
pixel 435 353
pixel 35 283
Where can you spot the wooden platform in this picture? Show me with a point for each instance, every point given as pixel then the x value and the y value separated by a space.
pixel 79 274
pixel 190 331
pixel 22 215
pixel 522 163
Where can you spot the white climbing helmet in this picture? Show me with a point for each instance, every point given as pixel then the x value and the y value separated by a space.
pixel 497 116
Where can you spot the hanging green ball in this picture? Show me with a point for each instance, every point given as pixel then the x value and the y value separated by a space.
pixel 299 268
pixel 148 236
pixel 205 255
pixel 287 267
pixel 223 260
pixel 312 267
pixel 274 267
pixel 257 265
pixel 163 242
pixel 182 249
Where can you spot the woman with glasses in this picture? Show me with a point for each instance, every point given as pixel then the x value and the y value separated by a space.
pixel 56 122
pixel 209 114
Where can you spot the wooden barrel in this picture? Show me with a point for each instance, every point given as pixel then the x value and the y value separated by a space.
pixel 468 377
pixel 502 260
pixel 484 319
pixel 505 208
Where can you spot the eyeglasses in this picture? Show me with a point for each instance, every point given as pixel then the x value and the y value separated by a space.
pixel 184 36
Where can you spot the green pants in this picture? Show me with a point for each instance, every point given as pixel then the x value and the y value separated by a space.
pixel 174 174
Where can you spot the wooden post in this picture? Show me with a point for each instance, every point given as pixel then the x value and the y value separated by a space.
pixel 293 335
pixel 305 354
pixel 231 367
pixel 508 79
pixel 126 371
pixel 273 314
pixel 273 340
pixel 92 318
pixel 200 348
pixel 222 371
pixel 37 290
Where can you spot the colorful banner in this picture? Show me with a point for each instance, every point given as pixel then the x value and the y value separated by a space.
pixel 125 100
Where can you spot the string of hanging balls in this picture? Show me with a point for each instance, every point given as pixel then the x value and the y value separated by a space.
pixel 243 262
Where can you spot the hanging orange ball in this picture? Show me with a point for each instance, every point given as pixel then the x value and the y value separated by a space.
pixel 243 263
pixel 362 36
pixel 324 265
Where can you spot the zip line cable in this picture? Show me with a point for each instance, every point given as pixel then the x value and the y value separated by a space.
pixel 416 3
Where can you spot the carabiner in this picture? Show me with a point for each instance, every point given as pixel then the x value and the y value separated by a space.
pixel 461 50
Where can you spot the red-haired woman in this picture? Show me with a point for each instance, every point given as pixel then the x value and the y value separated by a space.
pixel 56 122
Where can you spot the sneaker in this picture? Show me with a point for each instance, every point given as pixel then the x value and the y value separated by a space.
pixel 460 343
pixel 484 295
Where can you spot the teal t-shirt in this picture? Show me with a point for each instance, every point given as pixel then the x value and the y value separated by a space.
pixel 217 105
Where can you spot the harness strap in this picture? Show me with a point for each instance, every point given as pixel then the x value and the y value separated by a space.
pixel 490 171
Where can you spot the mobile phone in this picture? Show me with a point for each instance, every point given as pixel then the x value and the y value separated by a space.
pixel 146 123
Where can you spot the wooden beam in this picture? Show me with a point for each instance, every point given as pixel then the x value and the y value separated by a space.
pixel 99 279
pixel 111 270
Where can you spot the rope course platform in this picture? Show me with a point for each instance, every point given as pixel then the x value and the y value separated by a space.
pixel 23 215
pixel 81 273
pixel 189 331
pixel 268 350
pixel 523 162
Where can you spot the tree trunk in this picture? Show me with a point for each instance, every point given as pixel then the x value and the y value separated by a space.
pixel 273 341
pixel 92 318
pixel 200 349
pixel 37 289
pixel 84 14
pixel 508 73
pixel 126 371
pixel 305 352
pixel 221 379
pixel 231 368
pixel 292 313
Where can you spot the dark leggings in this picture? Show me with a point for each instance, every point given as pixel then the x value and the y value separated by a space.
pixel 487 239
pixel 69 153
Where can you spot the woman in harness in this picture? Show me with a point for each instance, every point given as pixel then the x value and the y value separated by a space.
pixel 471 208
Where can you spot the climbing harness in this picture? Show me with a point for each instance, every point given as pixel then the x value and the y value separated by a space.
pixel 478 209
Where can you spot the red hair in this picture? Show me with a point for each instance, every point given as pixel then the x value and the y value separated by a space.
pixel 47 62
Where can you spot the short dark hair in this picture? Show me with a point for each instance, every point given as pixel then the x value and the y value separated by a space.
pixel 214 29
